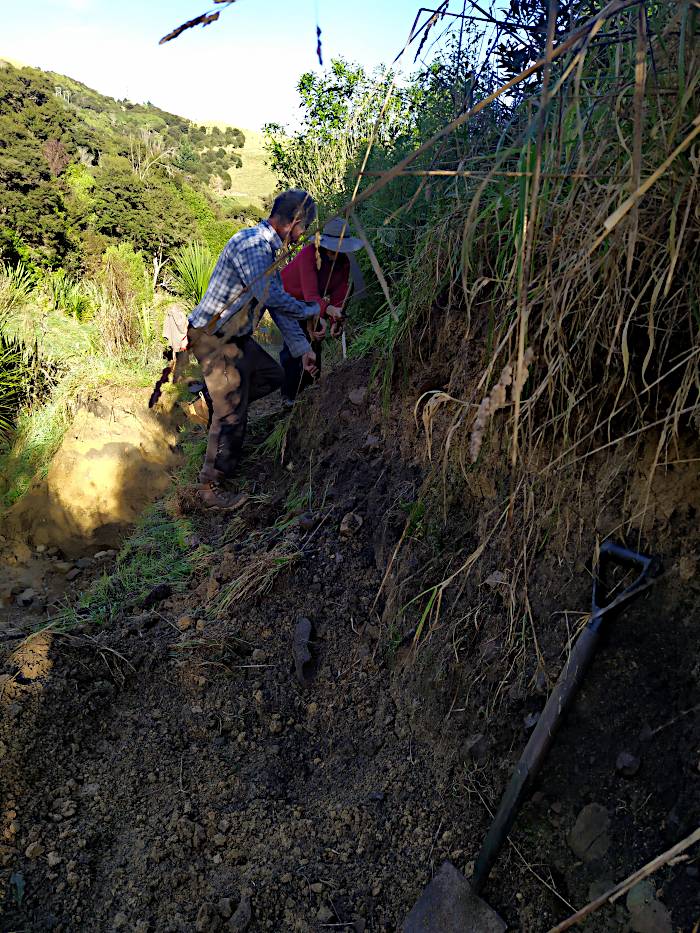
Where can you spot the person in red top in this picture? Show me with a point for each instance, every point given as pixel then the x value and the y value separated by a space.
pixel 328 286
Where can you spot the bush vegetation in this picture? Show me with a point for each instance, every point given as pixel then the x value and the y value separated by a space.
pixel 98 197
pixel 535 218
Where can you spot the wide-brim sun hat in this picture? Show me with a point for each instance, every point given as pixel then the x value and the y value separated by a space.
pixel 336 237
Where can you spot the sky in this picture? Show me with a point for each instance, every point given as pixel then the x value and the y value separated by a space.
pixel 240 70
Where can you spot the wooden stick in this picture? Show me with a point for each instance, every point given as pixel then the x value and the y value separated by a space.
pixel 623 887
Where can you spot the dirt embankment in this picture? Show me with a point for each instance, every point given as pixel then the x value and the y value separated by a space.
pixel 116 457
pixel 173 774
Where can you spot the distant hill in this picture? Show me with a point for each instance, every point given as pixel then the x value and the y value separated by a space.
pixel 252 182
pixel 80 170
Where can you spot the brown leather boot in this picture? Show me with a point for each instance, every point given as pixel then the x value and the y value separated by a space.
pixel 214 496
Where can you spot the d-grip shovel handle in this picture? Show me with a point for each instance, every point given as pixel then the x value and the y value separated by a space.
pixel 558 703
pixel 649 567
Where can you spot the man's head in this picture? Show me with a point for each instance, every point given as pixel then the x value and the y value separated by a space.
pixel 291 214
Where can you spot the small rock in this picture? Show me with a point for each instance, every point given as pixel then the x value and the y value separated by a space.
pixel 34 850
pixel 304 660
pixel 496 579
pixel 26 597
pixel 120 921
pixel 225 907
pixel 219 840
pixel 258 655
pixel 476 747
pixel 84 563
pixel 63 566
pixel 531 720
pixel 185 622
pixel 627 764
pixel 242 917
pixel 324 914
pixel 157 595
pixel 647 913
pixel 276 726
pixel 357 396
pixel 40 548
pixel 72 574
pixel 351 524
pixel 307 521
pixel 687 567
pixel 54 859
pixel 589 838
pixel 102 555
pixel 372 442
pixel 316 887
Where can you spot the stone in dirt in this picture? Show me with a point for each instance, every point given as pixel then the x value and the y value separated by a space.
pixel 647 913
pixel 34 850
pixel 307 521
pixel 242 916
pixel 185 622
pixel 448 905
pixel 157 595
pixel 26 597
pixel 357 396
pixel 304 662
pixel 72 574
pixel 627 764
pixel 63 566
pixel 350 524
pixel 589 838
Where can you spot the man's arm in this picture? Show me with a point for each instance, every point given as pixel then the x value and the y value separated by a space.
pixel 292 334
pixel 254 263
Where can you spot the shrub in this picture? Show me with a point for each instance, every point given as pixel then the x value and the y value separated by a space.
pixel 191 269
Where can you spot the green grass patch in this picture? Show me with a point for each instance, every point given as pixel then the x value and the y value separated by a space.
pixel 157 552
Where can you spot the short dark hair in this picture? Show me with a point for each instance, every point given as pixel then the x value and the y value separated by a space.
pixel 293 206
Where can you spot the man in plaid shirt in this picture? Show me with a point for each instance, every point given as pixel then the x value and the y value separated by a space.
pixel 236 369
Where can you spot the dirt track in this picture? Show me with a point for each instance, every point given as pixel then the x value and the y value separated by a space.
pixel 174 775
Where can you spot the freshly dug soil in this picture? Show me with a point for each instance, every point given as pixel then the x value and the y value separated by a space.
pixel 174 774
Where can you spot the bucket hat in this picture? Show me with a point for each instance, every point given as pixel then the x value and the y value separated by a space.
pixel 336 237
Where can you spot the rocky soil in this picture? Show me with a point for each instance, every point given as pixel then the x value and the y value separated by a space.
pixel 202 766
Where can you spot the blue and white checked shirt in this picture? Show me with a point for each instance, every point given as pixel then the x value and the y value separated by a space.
pixel 242 270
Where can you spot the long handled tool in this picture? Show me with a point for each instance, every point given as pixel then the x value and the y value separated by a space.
pixel 450 903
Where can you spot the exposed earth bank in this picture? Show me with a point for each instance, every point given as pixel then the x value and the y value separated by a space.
pixel 173 772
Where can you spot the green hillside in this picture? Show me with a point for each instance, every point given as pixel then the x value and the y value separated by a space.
pixel 79 170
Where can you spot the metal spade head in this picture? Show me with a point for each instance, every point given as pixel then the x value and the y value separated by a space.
pixel 448 905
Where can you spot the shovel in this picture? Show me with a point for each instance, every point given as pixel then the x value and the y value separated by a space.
pixel 451 903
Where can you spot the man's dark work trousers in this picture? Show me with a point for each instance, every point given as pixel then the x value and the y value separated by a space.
pixel 296 377
pixel 236 373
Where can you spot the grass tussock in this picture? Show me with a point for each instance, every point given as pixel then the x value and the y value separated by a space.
pixel 557 276
pixel 158 552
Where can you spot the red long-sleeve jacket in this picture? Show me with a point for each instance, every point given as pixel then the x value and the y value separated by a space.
pixel 326 286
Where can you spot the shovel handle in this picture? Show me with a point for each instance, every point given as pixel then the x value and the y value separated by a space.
pixel 535 752
pixel 558 703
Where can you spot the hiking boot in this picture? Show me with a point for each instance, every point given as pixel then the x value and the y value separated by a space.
pixel 214 496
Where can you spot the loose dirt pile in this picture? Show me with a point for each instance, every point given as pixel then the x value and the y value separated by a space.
pixel 172 773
